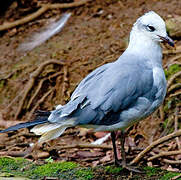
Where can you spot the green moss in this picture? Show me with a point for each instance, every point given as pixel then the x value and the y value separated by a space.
pixel 9 164
pixel 18 167
pixel 2 82
pixel 54 169
pixel 151 171
pixel 84 174
pixel 170 175
pixel 172 70
pixel 113 169
pixel 62 170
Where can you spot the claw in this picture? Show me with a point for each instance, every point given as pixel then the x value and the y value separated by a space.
pixel 128 167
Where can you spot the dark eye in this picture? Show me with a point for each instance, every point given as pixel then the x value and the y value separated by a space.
pixel 150 28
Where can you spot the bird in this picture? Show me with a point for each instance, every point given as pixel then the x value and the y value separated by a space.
pixel 115 95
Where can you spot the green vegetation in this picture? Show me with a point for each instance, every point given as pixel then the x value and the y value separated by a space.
pixel 172 70
pixel 19 168
pixel 113 169
pixel 151 171
pixel 170 175
pixel 22 167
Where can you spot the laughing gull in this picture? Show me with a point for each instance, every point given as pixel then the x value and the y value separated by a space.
pixel 115 95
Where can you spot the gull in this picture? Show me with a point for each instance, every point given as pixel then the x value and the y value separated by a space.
pixel 115 95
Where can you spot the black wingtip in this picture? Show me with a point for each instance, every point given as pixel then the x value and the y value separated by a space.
pixel 42 117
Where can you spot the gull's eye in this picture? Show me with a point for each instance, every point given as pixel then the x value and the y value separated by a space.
pixel 150 28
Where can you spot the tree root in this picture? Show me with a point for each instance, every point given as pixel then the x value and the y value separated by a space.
pixel 39 102
pixel 43 9
pixel 154 144
pixel 31 82
pixel 36 92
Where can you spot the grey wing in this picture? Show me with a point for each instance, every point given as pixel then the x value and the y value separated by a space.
pixel 118 91
pixel 110 88
pixel 89 80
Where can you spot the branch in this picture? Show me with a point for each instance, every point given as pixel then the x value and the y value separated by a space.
pixel 172 161
pixel 169 153
pixel 170 81
pixel 43 9
pixel 154 144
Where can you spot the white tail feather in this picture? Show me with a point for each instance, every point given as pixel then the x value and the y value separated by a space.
pixel 50 130
pixel 52 134
pixel 43 128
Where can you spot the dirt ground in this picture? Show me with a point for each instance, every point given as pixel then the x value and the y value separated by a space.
pixel 96 33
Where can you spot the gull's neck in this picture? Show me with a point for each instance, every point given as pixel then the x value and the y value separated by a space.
pixel 142 45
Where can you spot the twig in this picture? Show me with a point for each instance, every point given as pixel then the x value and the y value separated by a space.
pixel 161 112
pixel 68 5
pixel 154 144
pixel 30 83
pixel 173 51
pixel 81 146
pixel 172 161
pixel 43 9
pixel 172 61
pixel 161 154
pixel 24 20
pixel 174 86
pixel 176 128
pixel 176 93
pixel 170 81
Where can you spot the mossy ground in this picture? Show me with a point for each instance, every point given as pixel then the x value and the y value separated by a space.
pixel 19 167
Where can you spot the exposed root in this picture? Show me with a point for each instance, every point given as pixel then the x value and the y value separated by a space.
pixel 36 92
pixel 43 9
pixel 154 144
pixel 39 102
pixel 31 82
pixel 40 86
